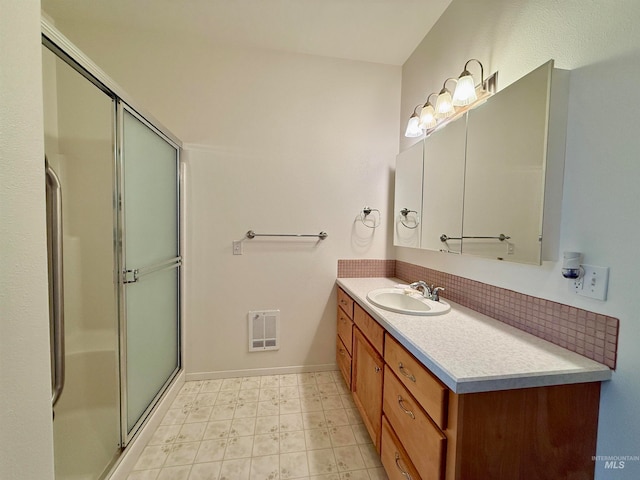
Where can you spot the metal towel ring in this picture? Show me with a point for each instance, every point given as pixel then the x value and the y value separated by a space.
pixel 366 211
pixel 405 213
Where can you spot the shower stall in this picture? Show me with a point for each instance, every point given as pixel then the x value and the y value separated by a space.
pixel 113 198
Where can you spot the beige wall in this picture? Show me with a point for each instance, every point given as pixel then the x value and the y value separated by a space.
pixel 277 143
pixel 26 444
pixel 600 43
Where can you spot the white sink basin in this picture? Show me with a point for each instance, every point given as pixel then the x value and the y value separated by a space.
pixel 406 301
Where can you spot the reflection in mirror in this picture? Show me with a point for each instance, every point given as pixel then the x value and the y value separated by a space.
pixel 505 171
pixel 408 197
pixel 443 187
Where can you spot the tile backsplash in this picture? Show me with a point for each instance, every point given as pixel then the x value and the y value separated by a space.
pixel 366 268
pixel 590 334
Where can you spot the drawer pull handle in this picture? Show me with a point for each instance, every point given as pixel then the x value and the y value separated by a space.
pixel 408 412
pixel 377 369
pixel 341 352
pixel 405 474
pixel 406 372
pixel 343 302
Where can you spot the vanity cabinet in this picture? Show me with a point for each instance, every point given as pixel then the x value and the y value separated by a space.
pixel 424 430
pixel 344 340
pixel 514 169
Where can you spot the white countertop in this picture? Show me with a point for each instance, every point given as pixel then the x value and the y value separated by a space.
pixel 471 352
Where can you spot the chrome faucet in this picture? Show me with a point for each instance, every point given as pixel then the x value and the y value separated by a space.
pixel 426 290
pixel 430 292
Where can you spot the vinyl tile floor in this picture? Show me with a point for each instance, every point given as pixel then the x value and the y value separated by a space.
pixel 276 427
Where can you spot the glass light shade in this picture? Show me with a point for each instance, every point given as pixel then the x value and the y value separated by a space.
pixel 444 105
pixel 413 127
pixel 427 117
pixel 465 92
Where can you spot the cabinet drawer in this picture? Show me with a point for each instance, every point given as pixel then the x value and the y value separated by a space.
pixel 394 458
pixel 429 392
pixel 345 302
pixel 343 358
pixel 369 327
pixel 345 329
pixel 421 438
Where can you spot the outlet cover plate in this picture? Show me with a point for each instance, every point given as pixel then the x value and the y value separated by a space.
pixel 594 283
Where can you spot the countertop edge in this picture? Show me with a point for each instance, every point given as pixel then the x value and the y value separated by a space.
pixel 475 385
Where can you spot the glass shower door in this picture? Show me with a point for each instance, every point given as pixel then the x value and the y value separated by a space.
pixel 79 139
pixel 150 265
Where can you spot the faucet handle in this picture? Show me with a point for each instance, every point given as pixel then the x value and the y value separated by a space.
pixel 434 293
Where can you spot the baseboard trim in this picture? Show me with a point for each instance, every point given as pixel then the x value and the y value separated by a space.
pixel 254 372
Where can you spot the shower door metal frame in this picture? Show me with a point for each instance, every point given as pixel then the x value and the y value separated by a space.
pixel 127 434
pixel 76 59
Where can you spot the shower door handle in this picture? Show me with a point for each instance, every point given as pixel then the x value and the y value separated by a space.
pixel 56 282
pixel 134 274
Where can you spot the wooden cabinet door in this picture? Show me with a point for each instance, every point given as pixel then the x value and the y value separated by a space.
pixel 367 383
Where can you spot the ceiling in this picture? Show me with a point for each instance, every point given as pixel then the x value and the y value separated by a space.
pixel 380 31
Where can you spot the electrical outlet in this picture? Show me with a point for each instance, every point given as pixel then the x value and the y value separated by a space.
pixel 511 248
pixel 237 247
pixel 577 285
pixel 594 283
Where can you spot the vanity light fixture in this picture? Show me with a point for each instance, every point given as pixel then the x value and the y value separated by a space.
pixel 444 103
pixel 428 115
pixel 449 108
pixel 413 127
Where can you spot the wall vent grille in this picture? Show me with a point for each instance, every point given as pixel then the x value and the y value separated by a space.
pixel 264 331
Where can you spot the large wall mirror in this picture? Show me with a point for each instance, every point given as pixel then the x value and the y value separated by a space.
pixel 408 197
pixel 443 184
pixel 491 181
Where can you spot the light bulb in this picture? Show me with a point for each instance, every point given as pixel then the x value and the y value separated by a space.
pixel 444 105
pixel 427 117
pixel 465 92
pixel 413 127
